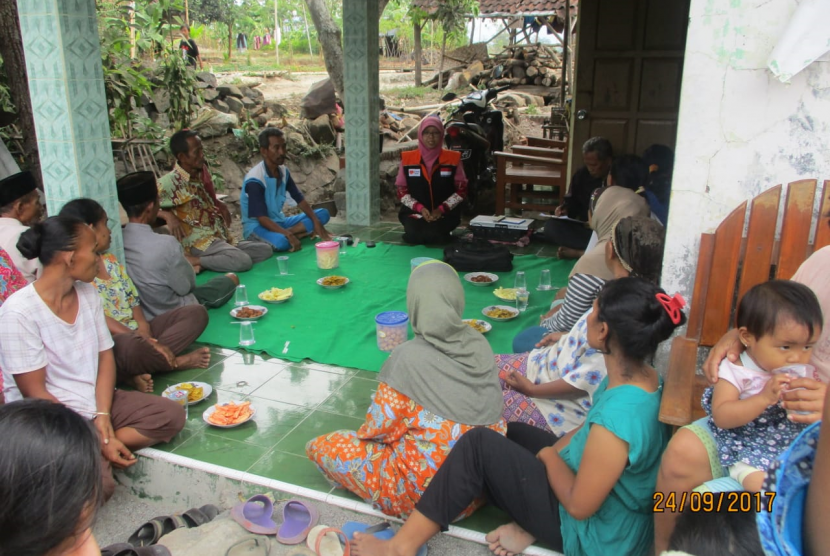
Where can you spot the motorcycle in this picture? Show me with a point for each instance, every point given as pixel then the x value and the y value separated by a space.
pixel 476 130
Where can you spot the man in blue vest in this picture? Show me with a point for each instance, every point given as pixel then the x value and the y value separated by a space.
pixel 264 192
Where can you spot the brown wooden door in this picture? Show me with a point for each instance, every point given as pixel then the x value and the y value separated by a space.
pixel 629 65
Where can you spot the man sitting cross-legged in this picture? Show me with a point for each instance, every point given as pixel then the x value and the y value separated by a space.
pixel 155 262
pixel 263 195
pixel 196 217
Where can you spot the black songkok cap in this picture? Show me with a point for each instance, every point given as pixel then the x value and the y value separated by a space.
pixel 16 186
pixel 137 189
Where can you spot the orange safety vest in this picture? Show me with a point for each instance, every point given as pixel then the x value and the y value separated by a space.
pixel 430 190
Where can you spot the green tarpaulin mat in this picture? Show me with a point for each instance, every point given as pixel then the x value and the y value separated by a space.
pixel 337 327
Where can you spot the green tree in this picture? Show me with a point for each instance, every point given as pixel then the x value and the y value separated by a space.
pixel 452 15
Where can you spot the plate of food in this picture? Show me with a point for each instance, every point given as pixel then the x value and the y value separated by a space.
pixel 276 295
pixel 249 312
pixel 500 312
pixel 479 325
pixel 196 391
pixel 333 282
pixel 481 278
pixel 228 415
pixel 505 294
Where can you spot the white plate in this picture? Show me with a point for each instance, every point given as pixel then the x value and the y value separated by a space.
pixel 274 302
pixel 483 323
pixel 320 283
pixel 207 390
pixel 498 292
pixel 505 307
pixel 264 310
pixel 209 411
pixel 469 278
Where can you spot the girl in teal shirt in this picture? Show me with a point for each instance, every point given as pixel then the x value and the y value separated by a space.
pixel 589 492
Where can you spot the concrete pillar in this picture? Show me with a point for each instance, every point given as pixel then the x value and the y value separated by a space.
pixel 66 84
pixel 360 58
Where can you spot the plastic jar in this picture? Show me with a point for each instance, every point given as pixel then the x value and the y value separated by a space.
pixel 392 328
pixel 417 261
pixel 328 255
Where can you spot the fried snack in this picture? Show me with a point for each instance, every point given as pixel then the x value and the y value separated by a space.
pixel 194 393
pixel 334 281
pixel 498 313
pixel 248 313
pixel 476 325
pixel 481 278
pixel 231 413
pixel 277 294
pixel 508 294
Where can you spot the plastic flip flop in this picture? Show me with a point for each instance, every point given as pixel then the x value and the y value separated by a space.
pixel 298 519
pixel 255 515
pixel 194 517
pixel 260 544
pixel 210 510
pixel 328 541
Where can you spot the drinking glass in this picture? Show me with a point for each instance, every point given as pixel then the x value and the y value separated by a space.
pixel 283 263
pixel 246 334
pixel 798 370
pixel 544 281
pixel 179 396
pixel 241 297
pixel 343 243
pixel 520 282
pixel 522 297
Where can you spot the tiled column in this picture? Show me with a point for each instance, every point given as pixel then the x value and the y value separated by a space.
pixel 66 84
pixel 360 57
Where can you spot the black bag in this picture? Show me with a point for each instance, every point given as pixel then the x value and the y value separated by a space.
pixel 471 256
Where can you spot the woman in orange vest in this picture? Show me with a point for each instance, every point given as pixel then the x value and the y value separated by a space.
pixel 431 187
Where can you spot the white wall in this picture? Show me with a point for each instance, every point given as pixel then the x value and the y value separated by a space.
pixel 741 131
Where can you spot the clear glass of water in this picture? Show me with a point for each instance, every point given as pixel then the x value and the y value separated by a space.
pixel 343 243
pixel 522 297
pixel 241 297
pixel 180 397
pixel 246 334
pixel 520 282
pixel 798 370
pixel 544 281
pixel 283 264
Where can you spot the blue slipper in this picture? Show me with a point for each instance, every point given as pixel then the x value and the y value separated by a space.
pixel 382 530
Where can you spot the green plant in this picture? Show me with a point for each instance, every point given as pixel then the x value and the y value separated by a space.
pixel 217 177
pixel 247 140
pixel 532 110
pixel 322 150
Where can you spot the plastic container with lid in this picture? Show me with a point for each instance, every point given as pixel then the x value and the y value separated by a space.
pixel 418 261
pixel 392 329
pixel 328 255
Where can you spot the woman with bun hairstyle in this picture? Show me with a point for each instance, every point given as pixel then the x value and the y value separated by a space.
pixel 54 345
pixel 592 489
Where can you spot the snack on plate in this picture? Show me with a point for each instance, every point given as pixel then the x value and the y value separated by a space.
pixel 277 294
pixel 333 281
pixel 481 278
pixel 194 393
pixel 248 313
pixel 508 294
pixel 476 325
pixel 497 313
pixel 231 413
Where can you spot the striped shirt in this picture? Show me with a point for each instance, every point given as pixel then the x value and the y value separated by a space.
pixel 579 298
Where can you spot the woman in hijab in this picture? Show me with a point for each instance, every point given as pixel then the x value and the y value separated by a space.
pixel 432 390
pixel 431 187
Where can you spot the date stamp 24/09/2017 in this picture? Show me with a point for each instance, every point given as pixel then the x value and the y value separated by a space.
pixel 713 502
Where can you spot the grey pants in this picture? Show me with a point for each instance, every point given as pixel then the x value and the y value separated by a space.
pixel 224 257
pixel 215 292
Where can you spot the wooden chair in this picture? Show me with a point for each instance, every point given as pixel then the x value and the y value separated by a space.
pixel 728 265
pixel 535 178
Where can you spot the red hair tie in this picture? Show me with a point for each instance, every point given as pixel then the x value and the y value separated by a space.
pixel 672 305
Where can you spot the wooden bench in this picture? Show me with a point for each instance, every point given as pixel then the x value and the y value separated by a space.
pixel 532 177
pixel 729 264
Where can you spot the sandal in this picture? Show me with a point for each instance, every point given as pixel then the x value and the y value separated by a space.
pixel 328 541
pixel 298 519
pixel 150 532
pixel 254 515
pixel 124 549
pixel 261 544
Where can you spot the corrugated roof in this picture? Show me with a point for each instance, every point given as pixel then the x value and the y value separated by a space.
pixel 510 7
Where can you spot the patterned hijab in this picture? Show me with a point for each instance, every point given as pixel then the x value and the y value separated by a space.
pixel 448 368
pixel 429 156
